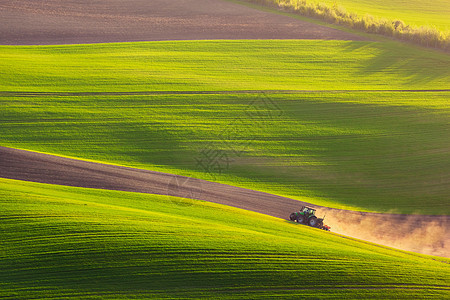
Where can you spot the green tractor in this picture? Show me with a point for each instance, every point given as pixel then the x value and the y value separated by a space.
pixel 307 215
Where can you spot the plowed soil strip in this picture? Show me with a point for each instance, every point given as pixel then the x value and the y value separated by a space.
pixel 31 166
pixel 37 167
pixel 105 21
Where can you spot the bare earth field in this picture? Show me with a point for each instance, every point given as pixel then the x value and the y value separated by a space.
pixel 36 22
pixel 420 233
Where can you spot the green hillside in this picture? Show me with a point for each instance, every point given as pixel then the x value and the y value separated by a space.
pixel 414 12
pixel 61 242
pixel 379 150
pixel 221 66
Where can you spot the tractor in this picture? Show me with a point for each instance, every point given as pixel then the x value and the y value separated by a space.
pixel 307 216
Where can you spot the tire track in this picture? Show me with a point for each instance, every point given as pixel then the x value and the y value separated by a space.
pixel 149 93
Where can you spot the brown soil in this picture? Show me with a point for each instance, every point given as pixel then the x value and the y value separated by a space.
pixel 424 234
pixel 34 22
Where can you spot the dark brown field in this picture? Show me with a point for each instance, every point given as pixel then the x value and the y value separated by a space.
pixel 35 22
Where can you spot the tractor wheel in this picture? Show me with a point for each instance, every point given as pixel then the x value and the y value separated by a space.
pixel 301 219
pixel 313 222
pixel 292 217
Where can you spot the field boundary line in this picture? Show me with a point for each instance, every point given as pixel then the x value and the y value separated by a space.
pixel 144 93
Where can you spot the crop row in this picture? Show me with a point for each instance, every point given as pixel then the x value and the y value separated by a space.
pixel 64 241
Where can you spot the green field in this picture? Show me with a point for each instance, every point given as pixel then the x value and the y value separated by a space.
pixel 221 66
pixel 413 12
pixel 356 125
pixel 344 146
pixel 60 242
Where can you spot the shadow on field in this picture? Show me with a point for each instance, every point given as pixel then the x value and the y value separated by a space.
pixel 148 143
pixel 356 154
pixel 413 67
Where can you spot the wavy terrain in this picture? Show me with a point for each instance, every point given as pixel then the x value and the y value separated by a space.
pixel 299 111
pixel 61 242
pixel 420 233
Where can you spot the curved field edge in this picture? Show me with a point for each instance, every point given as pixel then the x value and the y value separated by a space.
pixel 372 151
pixel 383 152
pixel 73 242
pixel 419 233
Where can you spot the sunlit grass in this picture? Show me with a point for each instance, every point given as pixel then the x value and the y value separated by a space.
pixel 414 12
pixel 370 151
pixel 70 242
pixel 378 150
pixel 221 66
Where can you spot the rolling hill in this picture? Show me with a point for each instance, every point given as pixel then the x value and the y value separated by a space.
pixel 326 117
pixel 61 242
pixel 356 125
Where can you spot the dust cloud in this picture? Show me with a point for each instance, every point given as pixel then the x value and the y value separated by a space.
pixel 417 233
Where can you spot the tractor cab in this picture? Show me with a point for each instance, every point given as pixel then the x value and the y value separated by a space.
pixel 307 211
